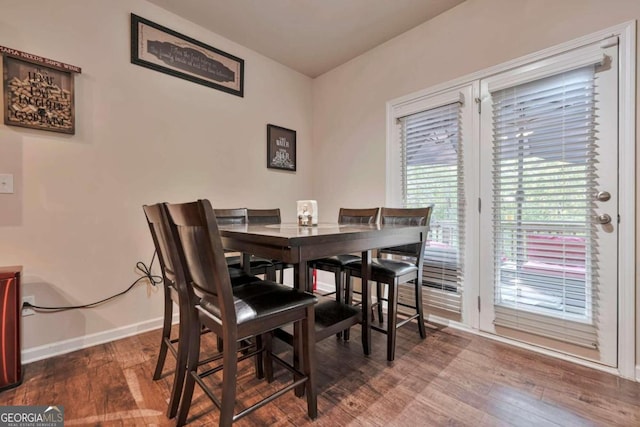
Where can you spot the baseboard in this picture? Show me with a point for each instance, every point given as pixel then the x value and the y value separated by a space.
pixel 67 346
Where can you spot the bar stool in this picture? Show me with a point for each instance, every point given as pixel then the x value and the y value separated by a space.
pixel 268 216
pixel 154 215
pixel 234 313
pixel 337 264
pixel 394 272
pixel 257 265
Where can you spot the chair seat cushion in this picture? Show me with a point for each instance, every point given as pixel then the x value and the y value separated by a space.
pixel 280 264
pixel 335 261
pixel 261 299
pixel 385 267
pixel 256 262
pixel 240 277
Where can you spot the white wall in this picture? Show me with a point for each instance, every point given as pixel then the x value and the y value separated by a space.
pixel 349 102
pixel 349 116
pixel 76 222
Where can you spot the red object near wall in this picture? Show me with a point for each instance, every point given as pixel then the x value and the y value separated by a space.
pixel 315 279
pixel 10 314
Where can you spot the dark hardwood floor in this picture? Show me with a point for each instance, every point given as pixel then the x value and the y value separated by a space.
pixel 451 378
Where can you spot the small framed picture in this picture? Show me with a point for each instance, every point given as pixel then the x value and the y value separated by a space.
pixel 281 148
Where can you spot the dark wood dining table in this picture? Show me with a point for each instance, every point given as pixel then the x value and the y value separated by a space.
pixel 297 245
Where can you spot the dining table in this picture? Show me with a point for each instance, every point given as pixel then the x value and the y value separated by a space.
pixel 298 245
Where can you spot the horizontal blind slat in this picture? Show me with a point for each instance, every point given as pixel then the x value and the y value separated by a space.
pixel 432 173
pixel 544 148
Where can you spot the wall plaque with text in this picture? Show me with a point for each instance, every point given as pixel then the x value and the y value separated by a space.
pixel 281 148
pixel 37 96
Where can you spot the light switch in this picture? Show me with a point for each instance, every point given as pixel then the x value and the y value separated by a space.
pixel 6 183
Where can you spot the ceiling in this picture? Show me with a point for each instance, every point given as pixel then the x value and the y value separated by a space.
pixel 310 36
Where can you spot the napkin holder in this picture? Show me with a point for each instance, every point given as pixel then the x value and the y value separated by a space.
pixel 307 213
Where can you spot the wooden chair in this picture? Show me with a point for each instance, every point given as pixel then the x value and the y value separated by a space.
pixel 154 220
pixel 154 215
pixel 258 265
pixel 394 272
pixel 234 313
pixel 268 216
pixel 337 264
pixel 263 216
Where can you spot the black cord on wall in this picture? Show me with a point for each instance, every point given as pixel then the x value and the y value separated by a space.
pixel 154 280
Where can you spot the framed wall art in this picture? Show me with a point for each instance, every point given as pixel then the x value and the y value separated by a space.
pixel 281 148
pixel 38 92
pixel 159 48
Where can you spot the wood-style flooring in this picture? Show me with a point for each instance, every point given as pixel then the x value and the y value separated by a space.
pixel 450 378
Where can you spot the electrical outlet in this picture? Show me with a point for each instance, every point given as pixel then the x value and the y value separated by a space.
pixel 26 311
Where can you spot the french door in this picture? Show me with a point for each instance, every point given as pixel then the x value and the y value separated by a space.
pixel 549 203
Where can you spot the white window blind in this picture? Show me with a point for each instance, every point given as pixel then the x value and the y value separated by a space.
pixel 432 172
pixel 544 150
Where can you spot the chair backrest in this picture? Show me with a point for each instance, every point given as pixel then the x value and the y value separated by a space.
pixel 168 254
pixel 155 222
pixel 263 216
pixel 359 216
pixel 407 216
pixel 231 216
pixel 195 230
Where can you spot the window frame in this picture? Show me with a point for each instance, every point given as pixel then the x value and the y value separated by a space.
pixel 626 33
pixel 579 331
pixel 464 94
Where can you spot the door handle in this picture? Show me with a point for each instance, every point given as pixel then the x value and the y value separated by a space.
pixel 603 196
pixel 603 219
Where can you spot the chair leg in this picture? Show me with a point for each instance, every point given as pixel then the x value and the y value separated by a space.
pixel 181 365
pixel 339 292
pixel 392 305
pixel 259 358
pixel 192 369
pixel 348 295
pixel 270 274
pixel 298 353
pixel 380 296
pixel 229 379
pixel 348 288
pixel 339 285
pixel 268 361
pixel 166 334
pixel 420 308
pixel 309 365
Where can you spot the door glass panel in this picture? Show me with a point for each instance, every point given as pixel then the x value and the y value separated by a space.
pixel 432 165
pixel 544 169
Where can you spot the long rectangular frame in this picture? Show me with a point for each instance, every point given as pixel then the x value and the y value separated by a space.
pixel 195 49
